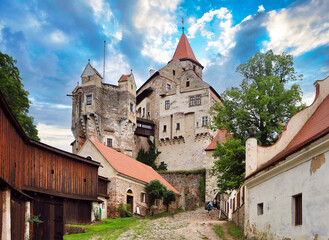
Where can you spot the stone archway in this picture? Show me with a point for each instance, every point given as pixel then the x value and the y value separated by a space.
pixel 130 200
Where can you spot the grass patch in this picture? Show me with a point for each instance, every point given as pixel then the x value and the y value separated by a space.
pixel 163 214
pixel 107 229
pixel 234 231
pixel 219 231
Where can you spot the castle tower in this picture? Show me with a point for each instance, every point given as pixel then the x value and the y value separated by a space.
pixel 105 111
pixel 178 101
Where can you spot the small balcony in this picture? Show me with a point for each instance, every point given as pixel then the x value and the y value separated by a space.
pixel 145 127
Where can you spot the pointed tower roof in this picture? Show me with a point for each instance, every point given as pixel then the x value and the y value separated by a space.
pixel 184 50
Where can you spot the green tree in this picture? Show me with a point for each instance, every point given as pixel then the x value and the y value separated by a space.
pixel 261 104
pixel 148 157
pixel 15 95
pixel 155 190
pixel 168 198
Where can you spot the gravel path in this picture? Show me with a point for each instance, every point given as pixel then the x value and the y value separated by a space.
pixel 190 225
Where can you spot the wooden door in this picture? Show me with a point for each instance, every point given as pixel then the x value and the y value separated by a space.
pixel 17 212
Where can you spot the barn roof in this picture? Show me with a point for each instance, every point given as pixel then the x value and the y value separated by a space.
pixel 129 166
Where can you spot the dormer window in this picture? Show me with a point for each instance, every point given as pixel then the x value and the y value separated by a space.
pixel 168 87
pixel 89 99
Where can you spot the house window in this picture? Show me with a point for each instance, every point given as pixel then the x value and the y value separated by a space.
pixel 204 121
pixel 109 142
pixel 260 209
pixel 198 100
pixel 177 126
pixel 164 128
pixel 131 107
pixel 168 87
pixel 89 99
pixel 187 83
pixel 298 209
pixel 173 72
pixel 192 101
pixel 143 197
pixel 167 104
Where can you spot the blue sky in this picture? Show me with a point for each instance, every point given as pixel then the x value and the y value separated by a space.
pixel 53 40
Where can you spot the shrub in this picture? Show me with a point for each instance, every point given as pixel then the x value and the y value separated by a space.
pixel 124 210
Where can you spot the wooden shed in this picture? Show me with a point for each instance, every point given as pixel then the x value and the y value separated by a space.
pixel 62 185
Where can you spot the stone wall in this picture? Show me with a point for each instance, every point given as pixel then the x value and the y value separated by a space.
pixel 238 217
pixel 188 185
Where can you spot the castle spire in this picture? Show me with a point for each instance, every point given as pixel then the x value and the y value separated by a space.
pixel 183 24
pixel 184 50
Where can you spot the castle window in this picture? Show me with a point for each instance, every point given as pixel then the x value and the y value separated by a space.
pixel 165 128
pixel 173 72
pixel 109 142
pixel 204 121
pixel 197 124
pixel 143 197
pixel 198 100
pixel 167 104
pixel 260 209
pixel 187 83
pixel 297 209
pixel 193 67
pixel 89 99
pixel 131 107
pixel 192 103
pixel 177 126
pixel 143 115
pixel 213 101
pixel 168 87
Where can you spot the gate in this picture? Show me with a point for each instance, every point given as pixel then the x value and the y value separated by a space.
pixel 50 212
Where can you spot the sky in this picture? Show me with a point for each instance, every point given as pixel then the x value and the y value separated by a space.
pixel 53 40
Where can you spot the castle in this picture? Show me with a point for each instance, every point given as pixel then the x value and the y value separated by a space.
pixel 171 109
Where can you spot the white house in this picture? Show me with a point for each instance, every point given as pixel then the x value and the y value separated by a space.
pixel 288 183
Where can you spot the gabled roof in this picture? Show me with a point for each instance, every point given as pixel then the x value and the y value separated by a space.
pixel 129 166
pixel 124 78
pixel 220 138
pixel 316 127
pixel 89 71
pixel 184 50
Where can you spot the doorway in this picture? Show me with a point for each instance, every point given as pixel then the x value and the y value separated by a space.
pixel 130 200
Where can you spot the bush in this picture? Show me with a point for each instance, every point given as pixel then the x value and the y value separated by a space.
pixel 124 210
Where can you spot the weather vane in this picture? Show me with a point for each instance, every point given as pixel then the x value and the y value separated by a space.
pixel 183 24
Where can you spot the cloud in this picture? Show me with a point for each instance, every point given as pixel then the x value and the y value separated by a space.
pixel 155 20
pixel 57 136
pixel 58 37
pixel 261 8
pixel 298 29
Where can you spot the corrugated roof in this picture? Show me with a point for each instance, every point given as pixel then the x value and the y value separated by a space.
pixel 316 127
pixel 220 137
pixel 129 166
pixel 184 50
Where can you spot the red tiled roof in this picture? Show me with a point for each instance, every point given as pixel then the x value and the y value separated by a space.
pixel 316 127
pixel 220 137
pixel 184 50
pixel 129 166
pixel 124 78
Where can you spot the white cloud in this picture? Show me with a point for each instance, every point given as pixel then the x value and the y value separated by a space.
pixel 261 8
pixel 55 136
pixel 115 65
pixel 298 29
pixel 221 36
pixel 156 20
pixel 58 37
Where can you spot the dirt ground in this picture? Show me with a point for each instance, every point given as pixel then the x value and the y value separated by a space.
pixel 187 225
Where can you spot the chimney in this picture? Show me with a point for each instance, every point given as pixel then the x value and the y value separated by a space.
pixel 152 71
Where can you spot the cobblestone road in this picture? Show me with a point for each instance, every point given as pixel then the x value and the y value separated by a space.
pixel 190 225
